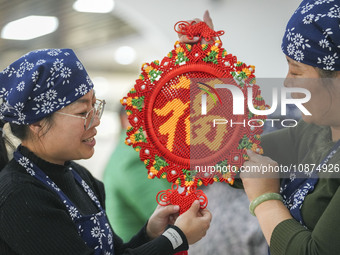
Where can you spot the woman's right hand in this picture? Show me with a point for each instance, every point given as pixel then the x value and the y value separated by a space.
pixel 194 222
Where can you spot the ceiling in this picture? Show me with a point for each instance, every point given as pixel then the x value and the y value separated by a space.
pixel 147 26
pixel 79 31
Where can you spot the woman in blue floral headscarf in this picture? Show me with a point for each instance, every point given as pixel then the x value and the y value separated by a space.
pixel 48 203
pixel 303 219
pixel 299 213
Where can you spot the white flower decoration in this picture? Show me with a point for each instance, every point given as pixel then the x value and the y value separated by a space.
pixel 82 90
pixel 89 81
pixel 58 64
pixel 35 76
pixel 308 19
pixel 79 65
pixel 39 98
pixel 54 52
pixel 298 40
pixel 290 49
pixel 47 107
pixel 21 86
pixel 51 94
pixel 298 55
pixel 334 12
pixel 307 8
pixel 19 106
pixel 324 43
pixel 96 232
pixel 20 72
pixel 23 161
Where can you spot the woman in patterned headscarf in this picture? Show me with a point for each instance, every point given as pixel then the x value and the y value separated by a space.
pixel 48 203
pixel 303 219
pixel 299 214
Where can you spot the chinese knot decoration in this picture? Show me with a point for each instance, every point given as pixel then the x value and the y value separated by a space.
pixel 182 119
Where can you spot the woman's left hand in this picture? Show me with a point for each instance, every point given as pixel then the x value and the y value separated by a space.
pixel 262 178
pixel 259 177
pixel 161 217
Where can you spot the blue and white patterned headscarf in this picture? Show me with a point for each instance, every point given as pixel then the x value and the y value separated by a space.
pixel 312 35
pixel 40 83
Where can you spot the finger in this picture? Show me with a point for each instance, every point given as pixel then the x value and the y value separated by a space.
pixel 197 20
pixel 259 158
pixel 165 211
pixel 251 153
pixel 207 19
pixel 206 214
pixel 195 207
pixel 253 156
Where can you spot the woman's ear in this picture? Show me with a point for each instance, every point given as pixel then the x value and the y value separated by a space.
pixel 36 127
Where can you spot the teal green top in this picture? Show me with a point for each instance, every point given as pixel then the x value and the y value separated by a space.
pixel 130 195
pixel 308 144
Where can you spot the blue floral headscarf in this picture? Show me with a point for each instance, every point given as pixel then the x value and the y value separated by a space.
pixel 312 35
pixel 40 83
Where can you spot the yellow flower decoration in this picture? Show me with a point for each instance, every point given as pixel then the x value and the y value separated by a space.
pixel 129 101
pixel 179 49
pixel 226 175
pixel 148 69
pixel 132 138
pixel 246 71
pixel 153 170
pixel 215 48
pixel 188 183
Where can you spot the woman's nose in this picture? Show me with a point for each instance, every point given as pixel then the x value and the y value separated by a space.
pixel 288 82
pixel 96 121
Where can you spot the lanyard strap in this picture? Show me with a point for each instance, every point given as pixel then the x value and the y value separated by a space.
pixel 330 154
pixel 294 191
pixel 37 173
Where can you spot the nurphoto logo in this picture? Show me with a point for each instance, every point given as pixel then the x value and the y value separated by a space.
pixel 238 103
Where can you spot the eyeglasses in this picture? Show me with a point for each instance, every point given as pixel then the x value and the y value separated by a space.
pixel 96 111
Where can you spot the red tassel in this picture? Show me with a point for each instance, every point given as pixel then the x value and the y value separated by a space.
pixel 182 253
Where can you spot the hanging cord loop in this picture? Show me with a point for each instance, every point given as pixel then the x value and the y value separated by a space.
pixel 193 29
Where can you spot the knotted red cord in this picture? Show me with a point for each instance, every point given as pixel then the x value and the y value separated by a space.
pixel 194 29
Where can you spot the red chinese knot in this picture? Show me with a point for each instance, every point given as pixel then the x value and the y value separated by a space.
pixel 173 111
